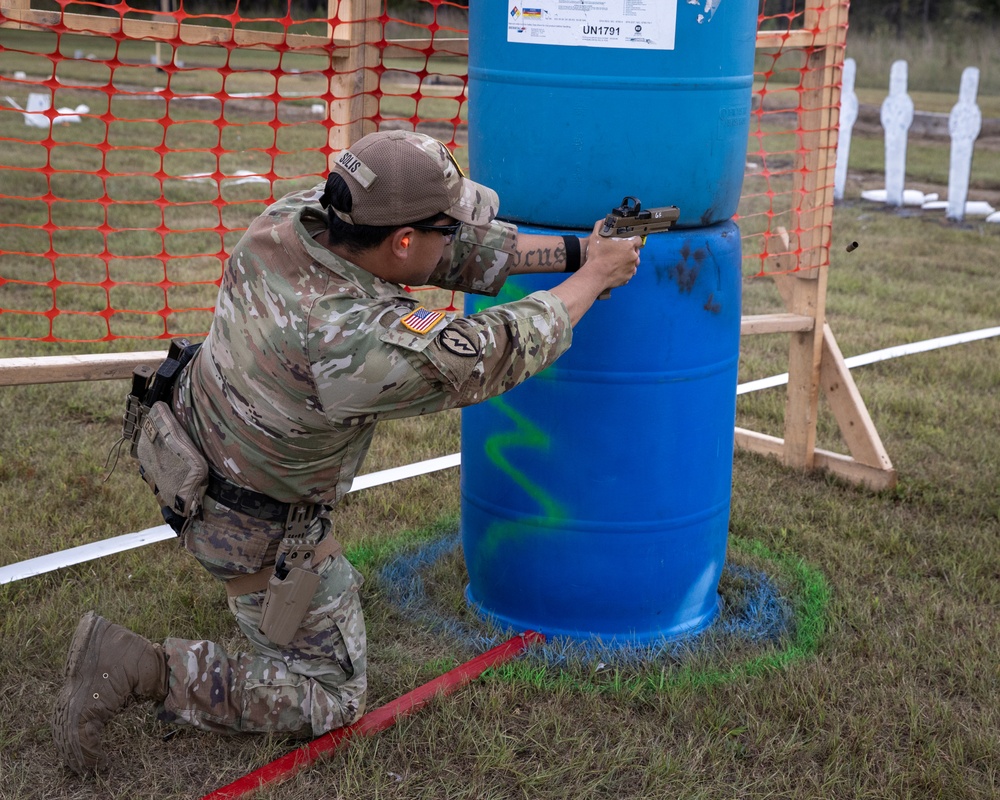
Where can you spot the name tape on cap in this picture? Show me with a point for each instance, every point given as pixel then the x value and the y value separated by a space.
pixel 357 169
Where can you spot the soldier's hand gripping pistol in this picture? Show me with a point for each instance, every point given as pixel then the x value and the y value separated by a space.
pixel 630 219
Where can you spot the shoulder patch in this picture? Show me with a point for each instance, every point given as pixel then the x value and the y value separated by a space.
pixel 457 344
pixel 420 320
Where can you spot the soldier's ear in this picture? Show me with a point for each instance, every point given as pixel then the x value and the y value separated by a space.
pixel 400 240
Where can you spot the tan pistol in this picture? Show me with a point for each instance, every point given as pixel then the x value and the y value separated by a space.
pixel 631 219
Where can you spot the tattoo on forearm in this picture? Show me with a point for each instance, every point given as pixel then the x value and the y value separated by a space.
pixel 541 258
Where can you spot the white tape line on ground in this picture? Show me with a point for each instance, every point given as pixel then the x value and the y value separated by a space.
pixel 118 544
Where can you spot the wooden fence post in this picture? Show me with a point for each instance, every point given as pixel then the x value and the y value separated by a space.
pixel 355 103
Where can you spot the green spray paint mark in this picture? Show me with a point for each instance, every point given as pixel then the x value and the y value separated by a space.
pixel 811 598
pixel 508 293
pixel 809 594
pixel 525 435
pixel 529 435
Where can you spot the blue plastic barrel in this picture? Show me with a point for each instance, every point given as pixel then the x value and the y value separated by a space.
pixel 596 495
pixel 662 113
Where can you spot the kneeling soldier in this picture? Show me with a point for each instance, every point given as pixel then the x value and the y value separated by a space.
pixel 314 340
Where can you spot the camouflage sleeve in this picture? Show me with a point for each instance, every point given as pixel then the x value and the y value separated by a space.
pixel 293 201
pixel 479 259
pixel 458 362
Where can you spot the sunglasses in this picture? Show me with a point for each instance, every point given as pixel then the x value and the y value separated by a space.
pixel 448 231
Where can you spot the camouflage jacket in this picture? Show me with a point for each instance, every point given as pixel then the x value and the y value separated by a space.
pixel 308 351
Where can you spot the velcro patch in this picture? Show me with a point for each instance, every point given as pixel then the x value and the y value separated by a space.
pixel 357 169
pixel 456 343
pixel 149 428
pixel 420 320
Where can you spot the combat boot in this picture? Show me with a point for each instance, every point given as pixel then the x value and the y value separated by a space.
pixel 108 668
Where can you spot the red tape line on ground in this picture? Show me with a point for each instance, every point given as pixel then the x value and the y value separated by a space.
pixel 375 721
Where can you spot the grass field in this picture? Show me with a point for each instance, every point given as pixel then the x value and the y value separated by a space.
pixel 897 697
pixel 883 686
pixel 935 60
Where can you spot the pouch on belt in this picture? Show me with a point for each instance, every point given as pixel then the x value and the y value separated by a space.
pixel 171 463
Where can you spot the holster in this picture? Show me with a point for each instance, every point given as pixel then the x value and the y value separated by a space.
pixel 291 588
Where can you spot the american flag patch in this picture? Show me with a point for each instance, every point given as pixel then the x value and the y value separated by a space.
pixel 420 320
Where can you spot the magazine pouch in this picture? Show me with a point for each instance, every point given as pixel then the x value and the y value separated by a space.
pixel 170 463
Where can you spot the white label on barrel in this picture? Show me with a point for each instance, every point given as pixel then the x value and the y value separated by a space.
pixel 630 24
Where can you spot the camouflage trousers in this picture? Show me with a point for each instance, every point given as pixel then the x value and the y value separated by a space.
pixel 314 684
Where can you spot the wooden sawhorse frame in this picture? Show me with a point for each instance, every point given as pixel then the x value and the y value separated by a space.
pixel 815 362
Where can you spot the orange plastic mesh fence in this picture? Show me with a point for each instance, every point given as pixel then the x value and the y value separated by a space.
pixel 138 143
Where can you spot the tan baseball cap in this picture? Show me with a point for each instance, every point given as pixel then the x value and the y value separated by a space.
pixel 398 177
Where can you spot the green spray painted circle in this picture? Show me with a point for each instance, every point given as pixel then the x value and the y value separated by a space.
pixel 808 596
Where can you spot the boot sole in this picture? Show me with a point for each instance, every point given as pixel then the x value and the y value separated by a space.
pixel 66 715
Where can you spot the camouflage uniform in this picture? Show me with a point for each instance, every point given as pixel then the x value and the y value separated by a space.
pixel 306 353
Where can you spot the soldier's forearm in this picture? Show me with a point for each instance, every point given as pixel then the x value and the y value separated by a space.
pixel 539 253
pixel 578 292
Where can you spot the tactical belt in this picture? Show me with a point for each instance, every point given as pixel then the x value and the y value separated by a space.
pixel 257 581
pixel 251 503
pixel 295 516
